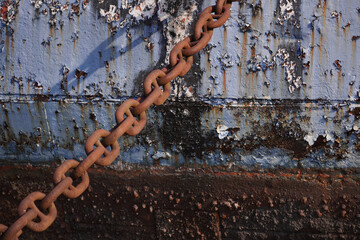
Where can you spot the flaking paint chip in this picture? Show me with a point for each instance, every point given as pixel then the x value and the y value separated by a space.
pixel 222 131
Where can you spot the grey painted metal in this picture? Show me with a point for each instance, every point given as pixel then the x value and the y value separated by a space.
pixel 277 86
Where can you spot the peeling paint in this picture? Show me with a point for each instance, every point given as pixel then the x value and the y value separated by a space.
pixel 277 86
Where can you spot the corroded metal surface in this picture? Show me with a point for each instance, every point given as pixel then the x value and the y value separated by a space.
pixel 262 124
pixel 195 204
pixel 276 87
pixel 181 60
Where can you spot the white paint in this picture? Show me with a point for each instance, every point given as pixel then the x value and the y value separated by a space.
pixel 77 46
pixel 222 131
pixel 329 137
pixel 144 10
pixel 110 15
pixel 289 66
pixel 161 155
pixel 310 139
pixel 178 24
pixel 286 11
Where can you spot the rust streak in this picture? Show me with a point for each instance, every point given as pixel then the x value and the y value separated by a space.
pixel 224 82
pixel 312 52
pixel 340 84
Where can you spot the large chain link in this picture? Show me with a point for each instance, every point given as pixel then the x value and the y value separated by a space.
pixel 181 60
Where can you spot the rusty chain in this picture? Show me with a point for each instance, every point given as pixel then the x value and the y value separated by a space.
pixel 156 90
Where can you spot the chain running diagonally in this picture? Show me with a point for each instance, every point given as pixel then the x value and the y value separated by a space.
pixel 130 119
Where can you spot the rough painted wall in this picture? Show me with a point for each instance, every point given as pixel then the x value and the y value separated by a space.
pixel 277 86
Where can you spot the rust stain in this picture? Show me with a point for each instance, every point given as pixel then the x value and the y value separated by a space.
pixel 312 55
pixel 41 98
pixel 7 60
pixel 275 43
pixel 130 60
pixel 324 14
pixel 51 31
pixel 253 51
pixel 7 125
pixel 91 106
pixel 110 112
pixel 83 108
pixel 320 49
pixel 326 113
pixel 253 75
pixel 224 82
pixel 257 16
pixel 243 60
pixel 353 54
pixel 308 108
pixel 151 56
pixel 208 72
pixel 247 94
pixel 261 21
pixel 244 46
pixel 61 32
pixel 13 86
pixel 312 46
pixel 76 128
pixel 224 71
pixel 340 84
pixel 341 115
pixel 78 75
pixel 217 112
pixel 351 89
pixel 40 109
pixel 324 33
pixel 75 44
pixel 100 59
pixel 266 87
pixel 107 72
pixel 225 38
pixel 240 77
pixel 254 17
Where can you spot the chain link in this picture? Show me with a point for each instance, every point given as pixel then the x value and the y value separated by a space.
pixel 221 18
pixel 127 109
pixel 172 72
pixel 88 162
pixel 202 25
pixel 94 140
pixel 176 54
pixel 220 4
pixel 146 102
pixel 198 45
pixel 152 81
pixel 71 191
pixel 15 229
pixel 3 228
pixel 29 203
pixel 51 197
pixel 181 60
pixel 120 129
